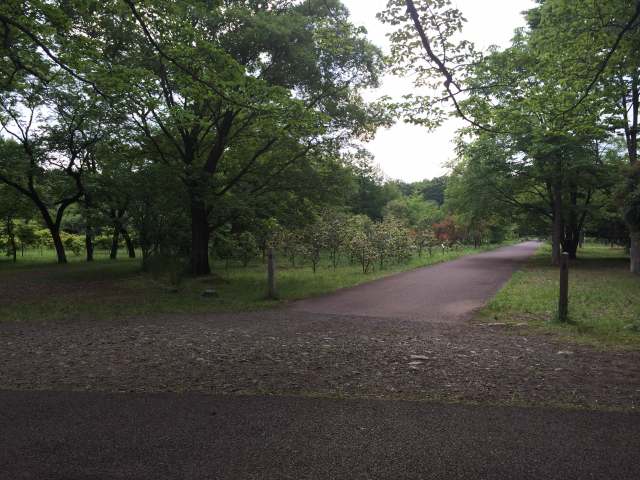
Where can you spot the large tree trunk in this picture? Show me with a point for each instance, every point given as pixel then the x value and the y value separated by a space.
pixel 130 248
pixel 57 242
pixel 571 247
pixel 199 239
pixel 54 230
pixel 115 240
pixel 146 255
pixel 634 252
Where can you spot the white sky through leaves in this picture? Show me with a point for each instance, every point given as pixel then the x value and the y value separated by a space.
pixel 412 153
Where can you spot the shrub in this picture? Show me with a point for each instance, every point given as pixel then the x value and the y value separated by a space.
pixel 73 243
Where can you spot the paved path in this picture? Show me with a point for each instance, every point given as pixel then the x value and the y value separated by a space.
pixel 448 292
pixel 64 436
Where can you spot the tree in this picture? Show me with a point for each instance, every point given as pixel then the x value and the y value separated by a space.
pixel 12 207
pixel 390 239
pixel 360 242
pixel 225 106
pixel 51 130
pixel 565 111
pixel 26 230
pixel 335 225
pixel 232 96
pixel 413 210
pixel 523 100
pixel 424 236
pixel 447 231
pixel 246 247
pixel 156 210
pixel 372 193
pixel 290 242
pixel 601 42
pixel 433 190
pixel 314 239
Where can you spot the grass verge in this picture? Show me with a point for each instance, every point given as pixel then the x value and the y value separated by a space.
pixel 604 298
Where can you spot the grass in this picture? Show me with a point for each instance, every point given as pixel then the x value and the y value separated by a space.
pixel 35 288
pixel 604 298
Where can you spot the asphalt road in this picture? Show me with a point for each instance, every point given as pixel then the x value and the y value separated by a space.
pixel 447 292
pixel 90 436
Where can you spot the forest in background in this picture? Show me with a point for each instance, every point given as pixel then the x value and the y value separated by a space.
pixel 190 131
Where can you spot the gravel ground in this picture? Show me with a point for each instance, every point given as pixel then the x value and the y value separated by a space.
pixel 297 353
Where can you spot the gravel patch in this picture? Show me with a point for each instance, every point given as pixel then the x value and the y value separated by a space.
pixel 296 353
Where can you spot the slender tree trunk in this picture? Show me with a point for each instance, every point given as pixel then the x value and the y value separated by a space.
pixel 145 257
pixel 572 231
pixel 88 236
pixel 571 247
pixel 88 243
pixel 199 239
pixel 631 134
pixel 12 240
pixel 558 226
pixel 115 240
pixel 54 231
pixel 634 252
pixel 130 247
pixel 556 240
pixel 271 275
pixel 57 242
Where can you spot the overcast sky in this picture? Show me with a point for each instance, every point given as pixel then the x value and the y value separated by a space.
pixel 412 153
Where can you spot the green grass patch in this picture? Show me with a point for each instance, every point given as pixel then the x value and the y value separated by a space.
pixel 35 288
pixel 604 298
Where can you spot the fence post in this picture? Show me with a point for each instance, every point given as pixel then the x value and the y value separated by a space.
pixel 271 275
pixel 563 307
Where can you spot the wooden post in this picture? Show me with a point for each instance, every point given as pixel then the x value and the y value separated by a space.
pixel 563 307
pixel 271 275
